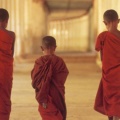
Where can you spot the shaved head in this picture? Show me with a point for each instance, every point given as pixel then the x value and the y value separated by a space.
pixel 48 42
pixel 110 15
pixel 4 15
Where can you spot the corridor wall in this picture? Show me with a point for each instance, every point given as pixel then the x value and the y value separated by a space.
pixel 72 34
pixel 100 6
pixel 28 19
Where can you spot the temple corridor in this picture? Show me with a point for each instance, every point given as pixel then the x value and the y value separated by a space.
pixel 75 24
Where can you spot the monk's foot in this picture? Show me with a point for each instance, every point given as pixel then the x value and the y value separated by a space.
pixel 116 118
pixel 110 118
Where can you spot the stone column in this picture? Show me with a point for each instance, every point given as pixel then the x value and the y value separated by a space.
pixel 28 19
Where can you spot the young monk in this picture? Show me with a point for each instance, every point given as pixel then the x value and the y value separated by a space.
pixel 7 39
pixel 108 43
pixel 48 78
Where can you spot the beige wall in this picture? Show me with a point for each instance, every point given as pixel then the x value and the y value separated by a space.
pixel 28 20
pixel 71 35
pixel 100 6
pixel 80 34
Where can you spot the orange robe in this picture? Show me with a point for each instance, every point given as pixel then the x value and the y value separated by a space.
pixel 108 96
pixel 48 79
pixel 6 71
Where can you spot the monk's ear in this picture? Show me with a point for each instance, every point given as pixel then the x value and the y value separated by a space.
pixel 42 48
pixel 105 22
pixel 54 48
pixel 118 20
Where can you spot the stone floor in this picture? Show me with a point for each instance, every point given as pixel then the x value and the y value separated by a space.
pixel 81 87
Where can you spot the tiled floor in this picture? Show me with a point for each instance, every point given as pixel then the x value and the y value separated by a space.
pixel 81 87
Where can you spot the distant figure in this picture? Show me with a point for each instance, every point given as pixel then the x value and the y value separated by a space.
pixel 108 43
pixel 48 78
pixel 7 39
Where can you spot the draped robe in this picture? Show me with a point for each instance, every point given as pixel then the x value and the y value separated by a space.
pixel 48 78
pixel 6 71
pixel 108 96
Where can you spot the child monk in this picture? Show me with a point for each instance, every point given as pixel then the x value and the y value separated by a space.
pixel 108 43
pixel 48 78
pixel 7 39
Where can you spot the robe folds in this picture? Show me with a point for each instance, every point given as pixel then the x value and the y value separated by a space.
pixel 6 73
pixel 48 78
pixel 108 96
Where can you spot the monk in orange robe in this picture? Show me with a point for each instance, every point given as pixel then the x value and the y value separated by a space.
pixel 48 78
pixel 108 43
pixel 7 39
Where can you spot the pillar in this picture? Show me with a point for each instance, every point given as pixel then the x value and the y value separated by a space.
pixel 28 19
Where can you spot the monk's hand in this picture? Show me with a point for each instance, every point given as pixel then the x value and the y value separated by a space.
pixel 44 105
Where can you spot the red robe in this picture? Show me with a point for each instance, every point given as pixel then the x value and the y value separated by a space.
pixel 6 71
pixel 48 79
pixel 108 96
